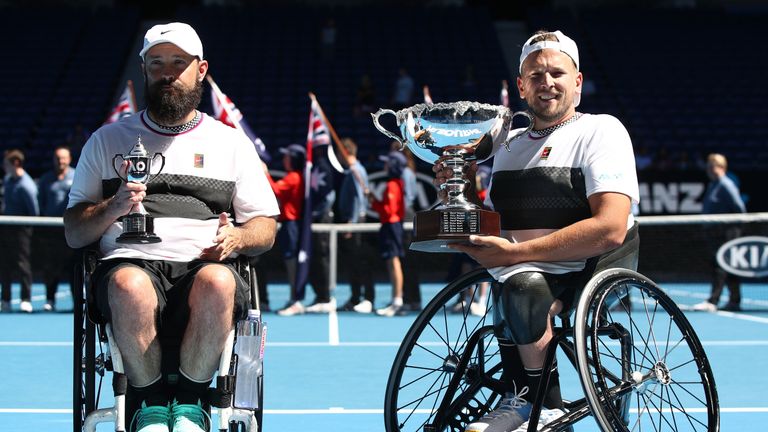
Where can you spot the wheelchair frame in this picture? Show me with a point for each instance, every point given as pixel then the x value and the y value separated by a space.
pixel 448 374
pixel 95 354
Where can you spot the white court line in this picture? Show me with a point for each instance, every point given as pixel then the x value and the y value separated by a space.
pixel 333 328
pixel 377 411
pixel 337 343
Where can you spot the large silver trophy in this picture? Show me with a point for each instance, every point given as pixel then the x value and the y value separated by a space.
pixel 138 226
pixel 454 133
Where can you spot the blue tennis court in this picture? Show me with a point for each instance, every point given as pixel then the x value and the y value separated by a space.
pixel 329 372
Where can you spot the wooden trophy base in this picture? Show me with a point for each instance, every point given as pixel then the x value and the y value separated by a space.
pixel 434 230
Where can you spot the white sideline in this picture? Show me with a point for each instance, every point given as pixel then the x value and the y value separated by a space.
pixel 331 343
pixel 340 410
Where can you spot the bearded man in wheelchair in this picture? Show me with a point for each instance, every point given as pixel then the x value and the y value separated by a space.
pixel 209 203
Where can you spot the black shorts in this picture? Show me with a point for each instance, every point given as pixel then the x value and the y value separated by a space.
pixel 391 240
pixel 172 282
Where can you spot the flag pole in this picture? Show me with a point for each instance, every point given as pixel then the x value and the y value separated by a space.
pixel 335 137
pixel 133 96
pixel 223 102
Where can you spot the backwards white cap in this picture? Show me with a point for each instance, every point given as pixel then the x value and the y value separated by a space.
pixel 180 34
pixel 563 44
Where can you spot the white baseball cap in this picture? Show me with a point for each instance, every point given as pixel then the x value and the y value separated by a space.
pixel 180 34
pixel 563 44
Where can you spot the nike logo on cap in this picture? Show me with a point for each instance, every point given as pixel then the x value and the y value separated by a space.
pixel 166 31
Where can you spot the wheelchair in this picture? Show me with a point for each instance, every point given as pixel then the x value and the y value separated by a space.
pixel 639 361
pixel 95 354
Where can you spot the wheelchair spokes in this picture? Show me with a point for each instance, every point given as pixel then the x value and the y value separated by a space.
pixel 650 372
pixel 450 365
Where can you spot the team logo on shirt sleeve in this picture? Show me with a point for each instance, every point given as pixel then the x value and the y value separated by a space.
pixel 199 160
pixel 545 153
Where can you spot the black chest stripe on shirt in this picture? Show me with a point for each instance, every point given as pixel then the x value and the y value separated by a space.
pixel 543 197
pixel 175 195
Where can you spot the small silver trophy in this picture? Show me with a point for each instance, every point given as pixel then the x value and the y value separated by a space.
pixel 455 133
pixel 138 226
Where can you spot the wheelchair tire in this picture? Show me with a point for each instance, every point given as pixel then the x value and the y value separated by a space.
pixel 84 352
pixel 429 357
pixel 640 362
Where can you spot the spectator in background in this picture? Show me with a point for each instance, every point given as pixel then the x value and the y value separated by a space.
pixel 328 40
pixel 20 193
pixel 411 274
pixel 391 211
pixel 290 194
pixel 57 257
pixel 352 209
pixel 404 88
pixel 365 98
pixel 722 196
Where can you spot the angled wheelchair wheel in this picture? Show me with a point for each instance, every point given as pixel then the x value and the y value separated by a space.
pixel 640 362
pixel 448 364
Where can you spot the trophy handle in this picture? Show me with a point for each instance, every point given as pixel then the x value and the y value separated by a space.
pixel 114 167
pixel 384 130
pixel 525 114
pixel 162 165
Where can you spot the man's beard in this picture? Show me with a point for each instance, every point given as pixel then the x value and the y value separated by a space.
pixel 550 116
pixel 170 107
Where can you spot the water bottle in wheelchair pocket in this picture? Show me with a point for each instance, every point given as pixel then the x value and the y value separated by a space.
pixel 249 347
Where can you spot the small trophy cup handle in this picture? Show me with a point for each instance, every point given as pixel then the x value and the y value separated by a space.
pixel 384 130
pixel 114 167
pixel 162 164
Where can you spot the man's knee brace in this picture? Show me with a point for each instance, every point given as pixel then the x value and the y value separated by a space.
pixel 522 307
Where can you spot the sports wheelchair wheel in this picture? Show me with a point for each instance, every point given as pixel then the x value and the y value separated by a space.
pixel 641 364
pixel 88 368
pixel 423 392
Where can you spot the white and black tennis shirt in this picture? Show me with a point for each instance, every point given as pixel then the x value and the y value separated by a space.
pixel 209 169
pixel 542 184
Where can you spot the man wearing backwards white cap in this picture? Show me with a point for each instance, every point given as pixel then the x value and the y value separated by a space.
pixel 564 192
pixel 184 287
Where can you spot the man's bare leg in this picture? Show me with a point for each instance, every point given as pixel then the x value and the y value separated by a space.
pixel 211 304
pixel 133 303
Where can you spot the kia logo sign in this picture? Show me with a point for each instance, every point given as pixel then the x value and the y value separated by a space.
pixel 745 256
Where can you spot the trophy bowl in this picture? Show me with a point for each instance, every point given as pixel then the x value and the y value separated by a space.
pixel 455 134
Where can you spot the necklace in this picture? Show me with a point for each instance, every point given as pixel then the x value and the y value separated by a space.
pixel 175 130
pixel 546 131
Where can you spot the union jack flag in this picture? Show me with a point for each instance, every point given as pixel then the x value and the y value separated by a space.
pixel 126 105
pixel 225 111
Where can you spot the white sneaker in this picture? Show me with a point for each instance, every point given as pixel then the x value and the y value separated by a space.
pixel 705 306
pixel 477 309
pixel 295 308
pixel 49 306
pixel 326 307
pixel 364 306
pixel 25 306
pixel 510 415
pixel 389 311
pixel 546 416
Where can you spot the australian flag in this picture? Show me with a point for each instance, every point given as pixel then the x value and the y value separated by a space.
pixel 225 111
pixel 125 106
pixel 319 192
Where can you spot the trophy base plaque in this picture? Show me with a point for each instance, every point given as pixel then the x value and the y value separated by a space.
pixel 434 230
pixel 138 228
